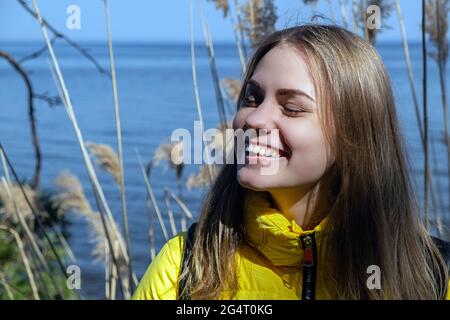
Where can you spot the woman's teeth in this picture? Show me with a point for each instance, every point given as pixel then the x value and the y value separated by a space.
pixel 262 151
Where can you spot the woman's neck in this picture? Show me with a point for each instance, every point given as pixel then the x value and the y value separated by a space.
pixel 306 205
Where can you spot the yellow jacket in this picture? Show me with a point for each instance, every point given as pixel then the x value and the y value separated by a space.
pixel 269 266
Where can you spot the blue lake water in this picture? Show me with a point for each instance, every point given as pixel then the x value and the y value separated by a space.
pixel 156 96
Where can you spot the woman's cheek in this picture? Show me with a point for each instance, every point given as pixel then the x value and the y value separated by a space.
pixel 309 157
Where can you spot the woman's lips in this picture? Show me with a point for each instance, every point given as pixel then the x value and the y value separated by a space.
pixel 264 150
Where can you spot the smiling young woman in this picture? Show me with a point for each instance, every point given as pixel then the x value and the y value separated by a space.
pixel 340 202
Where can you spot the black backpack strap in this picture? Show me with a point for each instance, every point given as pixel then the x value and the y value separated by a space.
pixel 190 237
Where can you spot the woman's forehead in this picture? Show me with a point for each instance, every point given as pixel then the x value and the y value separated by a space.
pixel 284 67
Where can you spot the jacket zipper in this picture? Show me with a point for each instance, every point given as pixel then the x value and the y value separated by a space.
pixel 309 266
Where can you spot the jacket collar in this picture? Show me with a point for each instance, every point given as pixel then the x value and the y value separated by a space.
pixel 272 233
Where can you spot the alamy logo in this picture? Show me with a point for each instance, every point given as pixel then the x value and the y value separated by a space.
pixel 74 277
pixel 373 17
pixel 374 280
pixel 74 19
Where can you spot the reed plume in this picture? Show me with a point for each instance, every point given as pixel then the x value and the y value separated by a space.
pixel 171 153
pixel 202 178
pixel 361 18
pixel 222 5
pixel 106 158
pixel 17 201
pixel 232 88
pixel 72 198
pixel 71 195
pixel 260 21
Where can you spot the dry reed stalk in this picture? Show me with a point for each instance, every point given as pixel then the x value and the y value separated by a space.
pixel 195 83
pixel 436 12
pixel 213 66
pixel 363 17
pixel 6 286
pixel 181 203
pixel 114 275
pixel 237 30
pixel 355 15
pixel 152 197
pixel 241 29
pixel 173 227
pixel 150 231
pixel 238 41
pixel 98 191
pixel 412 85
pixel 108 266
pixel 343 9
pixel 119 143
pixel 425 116
pixel 69 108
pixel 438 219
pixel 25 260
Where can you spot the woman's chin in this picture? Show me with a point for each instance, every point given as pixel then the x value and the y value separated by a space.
pixel 250 178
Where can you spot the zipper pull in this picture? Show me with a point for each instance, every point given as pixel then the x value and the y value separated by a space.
pixel 309 266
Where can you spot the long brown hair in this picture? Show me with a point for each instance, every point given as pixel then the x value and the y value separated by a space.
pixel 374 219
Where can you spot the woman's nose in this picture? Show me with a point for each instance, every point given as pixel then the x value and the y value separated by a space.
pixel 263 117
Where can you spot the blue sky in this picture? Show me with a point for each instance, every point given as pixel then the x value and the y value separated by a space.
pixel 166 20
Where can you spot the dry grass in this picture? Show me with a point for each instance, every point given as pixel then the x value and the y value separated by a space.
pixel 8 204
pixel 223 6
pixel 386 7
pixel 173 154
pixel 232 88
pixel 202 178
pixel 72 198
pixel 106 158
pixel 260 21
pixel 170 152
pixel 437 27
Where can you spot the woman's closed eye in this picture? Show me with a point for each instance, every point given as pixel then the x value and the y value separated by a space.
pixel 291 109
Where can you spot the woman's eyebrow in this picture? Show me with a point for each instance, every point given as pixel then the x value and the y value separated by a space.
pixel 284 92
pixel 294 92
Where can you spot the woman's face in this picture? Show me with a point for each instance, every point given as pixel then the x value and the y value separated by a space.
pixel 280 97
